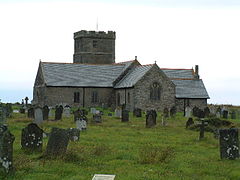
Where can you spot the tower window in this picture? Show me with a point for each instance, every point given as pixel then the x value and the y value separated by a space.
pixel 76 97
pixel 94 97
pixel 95 44
pixel 155 91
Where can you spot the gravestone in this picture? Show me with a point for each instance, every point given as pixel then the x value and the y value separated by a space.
pixel 225 114
pixel 66 111
pixel 74 134
pixel 206 111
pixel 137 112
pixel 32 138
pixel 125 115
pixel 195 111
pixel 218 115
pixel 6 148
pixel 151 118
pixel 202 128
pixel 81 124
pixel 188 111
pixel 173 111
pixel 103 177
pixel 189 122
pixel 229 143
pixel 51 112
pixel 165 116
pixel 38 115
pixel 26 100
pixel 200 114
pixel 97 118
pixel 2 114
pixel 233 115
pixel 118 112
pixel 45 112
pixel 58 113
pixel 93 110
pixel 31 113
pixel 58 142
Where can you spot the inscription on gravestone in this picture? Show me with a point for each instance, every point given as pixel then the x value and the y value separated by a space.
pixel 229 143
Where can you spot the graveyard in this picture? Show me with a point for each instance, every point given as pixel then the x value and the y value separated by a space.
pixel 130 148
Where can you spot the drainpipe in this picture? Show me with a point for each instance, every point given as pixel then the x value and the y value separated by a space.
pixel 83 97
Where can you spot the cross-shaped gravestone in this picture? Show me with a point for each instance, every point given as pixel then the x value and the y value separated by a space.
pixel 203 123
pixel 229 143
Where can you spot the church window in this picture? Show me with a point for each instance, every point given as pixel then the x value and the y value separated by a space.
pixel 94 44
pixel 155 91
pixel 94 97
pixel 76 97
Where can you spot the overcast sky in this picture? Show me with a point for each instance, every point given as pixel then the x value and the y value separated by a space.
pixel 175 33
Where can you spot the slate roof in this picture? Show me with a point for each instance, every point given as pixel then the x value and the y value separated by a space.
pixel 80 75
pixel 186 85
pixel 133 76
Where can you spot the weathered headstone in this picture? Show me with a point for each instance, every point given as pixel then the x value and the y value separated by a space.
pixel 189 122
pixel 93 110
pixel 31 113
pixel 74 134
pixel 125 115
pixel 151 118
pixel 81 121
pixel 45 112
pixel 137 112
pixel 188 111
pixel 51 112
pixel 38 115
pixel 58 142
pixel 173 111
pixel 58 113
pixel 6 148
pixel 118 112
pixel 66 111
pixel 97 118
pixel 32 137
pixel 195 111
pixel 229 143
pixel 202 128
pixel 218 115
pixel 225 114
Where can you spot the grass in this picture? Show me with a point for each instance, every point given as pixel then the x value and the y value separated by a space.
pixel 128 150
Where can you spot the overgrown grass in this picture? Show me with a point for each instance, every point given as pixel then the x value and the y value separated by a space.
pixel 129 150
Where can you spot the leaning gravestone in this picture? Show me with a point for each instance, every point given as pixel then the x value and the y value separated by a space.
pixel 30 113
pixel 125 115
pixel 38 115
pixel 151 118
pixel 58 142
pixel 32 138
pixel 137 112
pixel 6 148
pixel 74 134
pixel 45 112
pixel 229 144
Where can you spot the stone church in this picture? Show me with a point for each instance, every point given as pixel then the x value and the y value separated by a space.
pixel 94 79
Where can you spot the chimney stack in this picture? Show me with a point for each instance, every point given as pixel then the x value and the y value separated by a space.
pixel 196 73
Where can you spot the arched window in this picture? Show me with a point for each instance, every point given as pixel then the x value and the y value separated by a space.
pixel 155 91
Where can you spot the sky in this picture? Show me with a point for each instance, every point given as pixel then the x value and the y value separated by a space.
pixel 174 33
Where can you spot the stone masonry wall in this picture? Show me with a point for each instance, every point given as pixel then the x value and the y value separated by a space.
pixel 126 97
pixel 142 91
pixel 200 103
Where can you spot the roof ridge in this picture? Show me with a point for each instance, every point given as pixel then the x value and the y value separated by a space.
pixel 113 64
pixel 125 61
pixel 175 69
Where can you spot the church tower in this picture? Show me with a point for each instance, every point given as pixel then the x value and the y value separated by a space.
pixel 94 47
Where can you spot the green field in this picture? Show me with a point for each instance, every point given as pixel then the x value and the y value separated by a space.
pixel 128 150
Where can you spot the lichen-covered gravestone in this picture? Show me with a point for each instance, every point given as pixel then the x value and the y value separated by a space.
pixel 58 113
pixel 188 111
pixel 6 148
pixel 66 111
pixel 229 144
pixel 74 134
pixel 32 138
pixel 125 115
pixel 151 118
pixel 58 142
pixel 38 115
pixel 118 112
pixel 45 112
